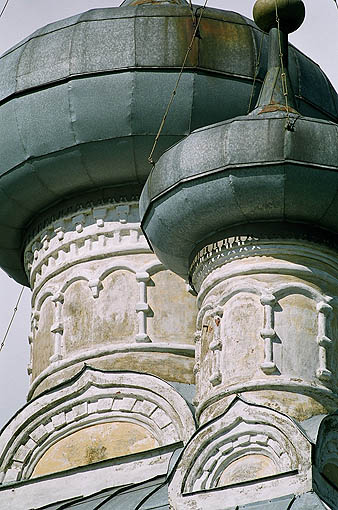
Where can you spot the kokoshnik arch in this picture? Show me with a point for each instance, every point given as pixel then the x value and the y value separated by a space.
pixel 229 288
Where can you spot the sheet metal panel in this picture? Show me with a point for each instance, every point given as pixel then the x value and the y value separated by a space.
pixel 13 151
pixel 274 504
pixel 226 47
pixel 44 121
pixel 147 115
pixel 102 169
pixel 223 94
pixel 100 107
pixel 314 85
pixel 25 180
pixel 102 46
pixel 163 41
pixel 44 59
pixel 159 500
pixel 309 501
pixel 8 64
pixel 62 173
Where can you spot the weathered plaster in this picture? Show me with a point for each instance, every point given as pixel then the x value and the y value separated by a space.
pixel 90 399
pixel 101 296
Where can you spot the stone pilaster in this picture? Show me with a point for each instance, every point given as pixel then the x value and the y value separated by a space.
pixel 268 316
pixel 101 297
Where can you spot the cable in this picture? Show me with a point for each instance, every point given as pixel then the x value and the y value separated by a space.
pixel 12 319
pixel 173 94
pixel 4 7
pixel 288 124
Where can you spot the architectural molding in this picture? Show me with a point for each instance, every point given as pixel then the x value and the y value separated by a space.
pixel 246 433
pixel 269 300
pixel 89 234
pixel 88 355
pixel 89 398
pixel 235 248
pixel 317 391
pixel 213 270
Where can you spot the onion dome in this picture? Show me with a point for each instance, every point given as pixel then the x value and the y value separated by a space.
pixel 81 101
pixel 270 173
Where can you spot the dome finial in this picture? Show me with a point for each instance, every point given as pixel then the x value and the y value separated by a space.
pixel 279 18
pixel 291 14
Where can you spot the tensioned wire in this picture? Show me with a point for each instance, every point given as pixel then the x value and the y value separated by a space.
pixel 283 73
pixel 12 318
pixel 4 7
pixel 173 94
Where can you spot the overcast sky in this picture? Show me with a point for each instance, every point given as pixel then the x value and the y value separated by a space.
pixel 317 38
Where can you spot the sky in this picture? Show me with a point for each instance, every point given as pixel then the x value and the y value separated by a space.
pixel 317 38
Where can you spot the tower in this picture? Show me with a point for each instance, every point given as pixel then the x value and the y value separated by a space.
pixel 110 415
pixel 263 261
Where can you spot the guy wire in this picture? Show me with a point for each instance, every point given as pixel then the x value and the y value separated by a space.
pixel 12 319
pixel 283 74
pixel 173 94
pixel 4 7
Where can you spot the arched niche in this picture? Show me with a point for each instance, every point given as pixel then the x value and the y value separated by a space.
pixel 43 339
pixel 243 348
pixel 295 344
pixel 94 444
pixel 106 319
pixel 175 310
pixel 246 468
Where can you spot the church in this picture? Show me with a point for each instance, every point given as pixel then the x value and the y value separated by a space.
pixel 169 193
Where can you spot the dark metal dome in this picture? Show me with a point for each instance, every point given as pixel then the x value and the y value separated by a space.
pixel 81 101
pixel 240 173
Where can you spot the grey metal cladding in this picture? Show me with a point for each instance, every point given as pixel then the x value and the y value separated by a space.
pixel 147 116
pixel 231 50
pixel 309 501
pixel 130 499
pixel 8 74
pixel 273 504
pixel 109 115
pixel 61 175
pixel 221 92
pixel 313 84
pixel 158 500
pixel 25 180
pixel 104 45
pixel 82 99
pixel 47 132
pixel 170 36
pixel 13 151
pixel 242 171
pixel 109 40
pixel 44 59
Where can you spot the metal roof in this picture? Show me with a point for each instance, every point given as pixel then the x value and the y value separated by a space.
pixel 81 101
pixel 150 495
pixel 153 495
pixel 248 172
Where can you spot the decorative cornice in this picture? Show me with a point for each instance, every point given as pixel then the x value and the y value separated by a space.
pixel 280 383
pixel 238 247
pixel 88 234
